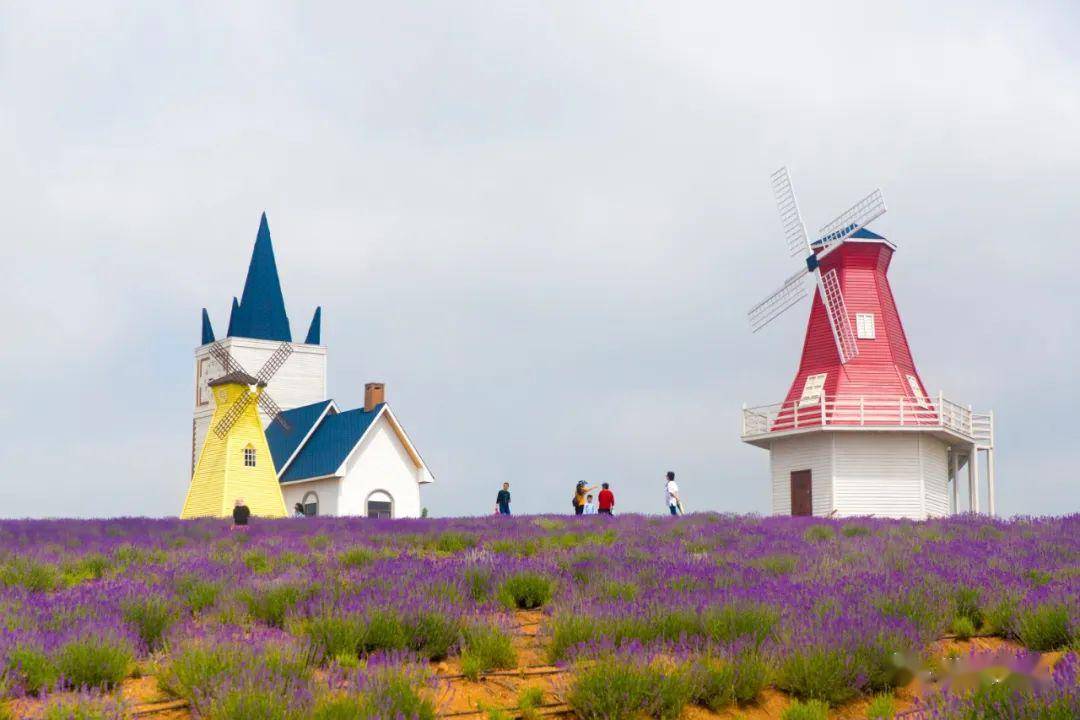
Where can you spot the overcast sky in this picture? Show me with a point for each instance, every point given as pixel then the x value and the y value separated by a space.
pixel 540 224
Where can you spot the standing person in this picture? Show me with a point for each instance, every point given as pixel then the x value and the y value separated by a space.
pixel 590 506
pixel 502 500
pixel 298 510
pixel 240 515
pixel 606 501
pixel 579 497
pixel 671 490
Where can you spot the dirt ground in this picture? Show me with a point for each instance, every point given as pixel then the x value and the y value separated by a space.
pixel 459 697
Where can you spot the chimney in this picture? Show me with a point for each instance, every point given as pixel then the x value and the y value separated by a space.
pixel 374 394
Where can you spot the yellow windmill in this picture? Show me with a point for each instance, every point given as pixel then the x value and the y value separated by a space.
pixel 235 460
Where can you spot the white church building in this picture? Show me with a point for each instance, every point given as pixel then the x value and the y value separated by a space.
pixel 329 460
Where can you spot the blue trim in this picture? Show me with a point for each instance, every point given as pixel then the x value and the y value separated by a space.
pixel 261 313
pixel 315 330
pixel 207 329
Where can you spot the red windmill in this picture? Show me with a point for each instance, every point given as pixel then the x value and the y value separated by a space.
pixel 857 433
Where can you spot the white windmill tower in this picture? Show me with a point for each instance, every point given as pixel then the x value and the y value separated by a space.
pixel 857 433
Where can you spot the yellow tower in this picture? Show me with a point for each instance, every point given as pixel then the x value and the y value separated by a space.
pixel 235 460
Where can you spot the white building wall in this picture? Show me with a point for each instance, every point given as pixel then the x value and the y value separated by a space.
pixel 935 469
pixel 380 462
pixel 300 381
pixel 327 489
pixel 879 473
pixel 811 452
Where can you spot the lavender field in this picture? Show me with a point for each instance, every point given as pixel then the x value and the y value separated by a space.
pixel 592 617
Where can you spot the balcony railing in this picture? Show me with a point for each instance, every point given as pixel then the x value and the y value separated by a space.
pixel 871 412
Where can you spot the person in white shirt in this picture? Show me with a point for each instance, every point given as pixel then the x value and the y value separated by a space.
pixel 671 490
pixel 590 506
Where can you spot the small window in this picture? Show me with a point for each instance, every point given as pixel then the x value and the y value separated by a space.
pixel 311 504
pixel 380 505
pixel 917 392
pixel 811 392
pixel 249 456
pixel 864 326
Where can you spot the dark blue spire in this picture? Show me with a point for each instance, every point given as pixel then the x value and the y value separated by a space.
pixel 207 329
pixel 315 329
pixel 234 316
pixel 261 313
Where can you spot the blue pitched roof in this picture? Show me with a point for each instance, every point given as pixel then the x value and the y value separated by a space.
pixel 315 329
pixel 330 444
pixel 860 234
pixel 283 443
pixel 207 329
pixel 261 312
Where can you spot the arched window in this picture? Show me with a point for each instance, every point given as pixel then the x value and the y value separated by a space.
pixel 249 456
pixel 311 504
pixel 380 505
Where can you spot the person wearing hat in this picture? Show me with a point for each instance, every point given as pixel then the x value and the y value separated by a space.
pixel 580 491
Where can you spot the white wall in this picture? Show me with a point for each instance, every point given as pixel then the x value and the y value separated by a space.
pixel 380 462
pixel 935 468
pixel 812 452
pixel 300 381
pixel 327 489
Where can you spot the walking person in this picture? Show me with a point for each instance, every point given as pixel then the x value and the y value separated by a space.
pixel 590 506
pixel 240 515
pixel 502 500
pixel 606 501
pixel 580 491
pixel 671 490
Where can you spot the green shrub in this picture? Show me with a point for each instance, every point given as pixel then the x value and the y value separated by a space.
pixel 433 634
pixel 967 603
pixel 616 590
pixel 486 648
pixel 568 630
pixel 272 603
pixel 751 676
pixel 882 707
pixel 252 702
pixel 33 667
pixel 357 557
pixel 152 617
pixel 615 689
pixel 526 590
pixel 99 663
pixel 196 593
pixel 478 581
pixel 1000 618
pixel 383 630
pixel 334 636
pixel 810 710
pixel 392 693
pixel 455 542
pixel 341 707
pixel 529 700
pixel 853 530
pixel 776 564
pixel 191 672
pixel 732 622
pixel 31 575
pixel 516 548
pixel 818 674
pixel 713 683
pixel 257 562
pixel 819 533
pixel 963 628
pixel 1045 627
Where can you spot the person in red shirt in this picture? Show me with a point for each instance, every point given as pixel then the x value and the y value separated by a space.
pixel 606 501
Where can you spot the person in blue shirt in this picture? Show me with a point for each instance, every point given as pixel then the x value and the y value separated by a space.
pixel 502 500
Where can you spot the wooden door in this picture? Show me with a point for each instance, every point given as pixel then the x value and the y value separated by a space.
pixel 802 497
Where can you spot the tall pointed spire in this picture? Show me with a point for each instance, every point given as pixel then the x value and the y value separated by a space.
pixel 315 330
pixel 234 317
pixel 207 329
pixel 261 313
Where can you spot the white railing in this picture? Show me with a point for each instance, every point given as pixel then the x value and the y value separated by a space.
pixel 868 411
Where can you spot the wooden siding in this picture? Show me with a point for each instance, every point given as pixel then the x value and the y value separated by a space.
pixel 220 474
pixel 879 473
pixel 884 362
pixel 813 452
pixel 935 469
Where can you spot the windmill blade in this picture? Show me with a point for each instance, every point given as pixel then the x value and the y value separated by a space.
pixel 836 310
pixel 233 414
pixel 272 409
pixel 792 291
pixel 274 362
pixel 224 358
pixel 790 217
pixel 854 218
